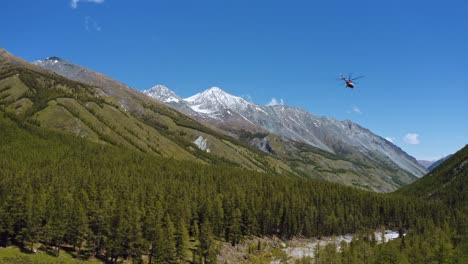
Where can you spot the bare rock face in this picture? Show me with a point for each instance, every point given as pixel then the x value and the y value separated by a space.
pixel 202 143
pixel 262 144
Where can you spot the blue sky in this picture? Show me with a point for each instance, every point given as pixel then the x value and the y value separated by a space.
pixel 413 55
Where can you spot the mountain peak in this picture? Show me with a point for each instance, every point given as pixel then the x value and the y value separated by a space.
pixel 53 58
pixel 215 89
pixel 49 61
pixel 163 94
pixel 211 93
pixel 158 87
pixel 216 101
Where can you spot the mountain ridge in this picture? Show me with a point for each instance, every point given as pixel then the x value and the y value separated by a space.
pixel 438 162
pixel 283 155
pixel 222 109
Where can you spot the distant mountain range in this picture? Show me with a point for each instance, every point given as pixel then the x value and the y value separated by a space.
pixel 63 96
pixel 437 163
pixel 430 165
pixel 234 114
pixel 426 163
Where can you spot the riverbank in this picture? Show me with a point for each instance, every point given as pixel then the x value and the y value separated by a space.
pixel 275 250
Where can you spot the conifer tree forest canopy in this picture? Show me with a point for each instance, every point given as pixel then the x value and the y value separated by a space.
pixel 58 189
pixel 115 203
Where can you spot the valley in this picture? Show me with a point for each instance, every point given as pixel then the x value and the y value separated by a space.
pixel 94 170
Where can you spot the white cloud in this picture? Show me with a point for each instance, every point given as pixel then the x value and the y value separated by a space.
pixel 91 24
pixel 391 139
pixel 273 101
pixel 411 138
pixel 74 3
pixel 355 110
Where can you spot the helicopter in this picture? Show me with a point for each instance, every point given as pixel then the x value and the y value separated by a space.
pixel 349 80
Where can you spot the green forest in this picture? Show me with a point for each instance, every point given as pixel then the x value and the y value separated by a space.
pixel 111 203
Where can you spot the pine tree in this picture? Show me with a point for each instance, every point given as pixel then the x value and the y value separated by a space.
pixel 78 229
pixel 197 255
pixel 195 230
pixel 169 248
pixel 235 227
pixel 218 216
pixel 152 230
pixel 182 240
pixel 207 245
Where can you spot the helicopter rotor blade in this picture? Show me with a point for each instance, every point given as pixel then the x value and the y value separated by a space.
pixel 356 78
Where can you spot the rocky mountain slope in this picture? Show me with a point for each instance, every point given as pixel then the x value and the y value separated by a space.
pixel 288 147
pixel 338 137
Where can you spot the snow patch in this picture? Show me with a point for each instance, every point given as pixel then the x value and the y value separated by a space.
pixel 261 110
pixel 197 108
pixel 171 99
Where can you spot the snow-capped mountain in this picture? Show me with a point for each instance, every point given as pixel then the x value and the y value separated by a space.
pixel 222 108
pixel 339 137
pixel 163 94
pixel 215 102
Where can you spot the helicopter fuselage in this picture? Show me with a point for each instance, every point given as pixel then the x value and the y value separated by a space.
pixel 349 84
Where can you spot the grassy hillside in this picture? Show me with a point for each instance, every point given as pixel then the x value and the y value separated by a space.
pixel 348 166
pixel 116 116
